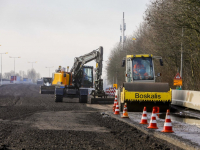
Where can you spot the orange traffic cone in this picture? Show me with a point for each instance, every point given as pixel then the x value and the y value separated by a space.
pixel 158 116
pixel 117 109
pixel 157 111
pixel 153 123
pixel 125 113
pixel 115 103
pixel 144 117
pixel 167 125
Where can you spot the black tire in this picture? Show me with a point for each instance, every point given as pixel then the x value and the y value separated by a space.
pixel 58 98
pixel 121 106
pixel 83 99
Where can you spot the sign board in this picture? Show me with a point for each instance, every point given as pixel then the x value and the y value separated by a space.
pixel 177 76
pixel 178 82
pixel 115 86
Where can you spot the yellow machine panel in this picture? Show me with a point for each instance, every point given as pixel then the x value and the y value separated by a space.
pixel 122 95
pixel 148 96
pixel 60 78
pixel 139 55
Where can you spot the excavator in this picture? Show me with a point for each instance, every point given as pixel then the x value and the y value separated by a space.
pixel 75 84
pixel 140 88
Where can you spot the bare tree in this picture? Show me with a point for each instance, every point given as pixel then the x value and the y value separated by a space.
pixel 167 25
pixel 31 74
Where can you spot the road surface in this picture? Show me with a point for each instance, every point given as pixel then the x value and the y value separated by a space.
pixel 29 120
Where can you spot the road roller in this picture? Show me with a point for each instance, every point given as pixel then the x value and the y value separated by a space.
pixel 140 89
pixel 47 87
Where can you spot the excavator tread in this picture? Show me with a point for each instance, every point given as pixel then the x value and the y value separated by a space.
pixel 58 98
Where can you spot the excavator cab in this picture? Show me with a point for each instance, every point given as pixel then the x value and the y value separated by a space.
pixel 84 78
pixel 87 79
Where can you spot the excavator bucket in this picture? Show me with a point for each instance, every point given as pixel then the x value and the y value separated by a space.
pixel 138 95
pixel 47 89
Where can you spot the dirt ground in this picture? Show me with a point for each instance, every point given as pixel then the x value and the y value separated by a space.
pixel 29 120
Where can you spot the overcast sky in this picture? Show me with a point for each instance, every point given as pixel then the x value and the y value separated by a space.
pixel 54 32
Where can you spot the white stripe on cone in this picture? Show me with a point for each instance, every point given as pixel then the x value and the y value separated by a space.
pixel 153 121
pixel 144 118
pixel 153 115
pixel 157 116
pixel 168 117
pixel 168 124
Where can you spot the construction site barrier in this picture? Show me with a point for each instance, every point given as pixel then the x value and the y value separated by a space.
pixel 186 98
pixel 110 91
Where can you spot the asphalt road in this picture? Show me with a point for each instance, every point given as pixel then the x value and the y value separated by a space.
pixel 29 120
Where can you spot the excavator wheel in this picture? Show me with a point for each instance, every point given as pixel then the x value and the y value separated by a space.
pixel 58 98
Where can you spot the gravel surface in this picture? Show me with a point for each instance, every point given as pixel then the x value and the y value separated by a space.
pixel 29 120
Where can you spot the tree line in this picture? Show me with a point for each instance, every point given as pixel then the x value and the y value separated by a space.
pixel 30 74
pixel 168 27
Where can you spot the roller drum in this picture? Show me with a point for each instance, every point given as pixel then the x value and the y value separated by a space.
pixel 47 89
pixel 137 106
pixel 146 87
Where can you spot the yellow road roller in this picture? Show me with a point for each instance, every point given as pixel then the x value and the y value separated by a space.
pixel 140 88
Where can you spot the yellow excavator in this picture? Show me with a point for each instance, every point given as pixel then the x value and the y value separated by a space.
pixel 140 88
pixel 75 84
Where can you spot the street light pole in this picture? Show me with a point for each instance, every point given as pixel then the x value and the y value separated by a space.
pixel 32 63
pixel 181 72
pixel 49 69
pixel 122 37
pixel 14 66
pixel 14 62
pixel 1 66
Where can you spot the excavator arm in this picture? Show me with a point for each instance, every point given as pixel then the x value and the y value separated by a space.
pixel 79 62
pixel 94 55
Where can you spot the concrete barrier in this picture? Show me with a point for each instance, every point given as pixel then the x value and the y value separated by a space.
pixel 186 98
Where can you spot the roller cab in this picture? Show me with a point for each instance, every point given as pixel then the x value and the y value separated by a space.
pixel 47 87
